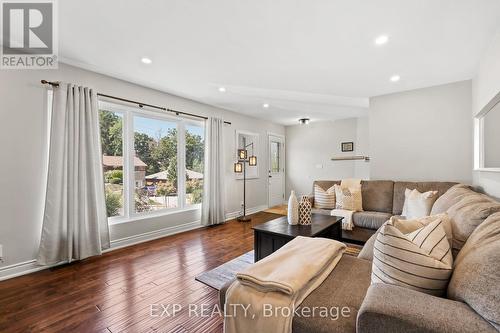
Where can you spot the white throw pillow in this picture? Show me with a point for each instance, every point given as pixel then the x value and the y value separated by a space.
pixel 420 260
pixel 349 198
pixel 324 199
pixel 418 204
pixel 406 226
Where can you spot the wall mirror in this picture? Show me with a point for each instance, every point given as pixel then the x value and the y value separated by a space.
pixel 487 137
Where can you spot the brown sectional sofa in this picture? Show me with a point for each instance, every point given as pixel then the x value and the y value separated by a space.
pixel 381 200
pixel 472 303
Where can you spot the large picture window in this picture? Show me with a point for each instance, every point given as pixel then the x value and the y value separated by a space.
pixel 152 163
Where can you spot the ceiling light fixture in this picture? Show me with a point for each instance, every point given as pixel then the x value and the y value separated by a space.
pixel 222 89
pixel 381 40
pixel 265 105
pixel 304 121
pixel 146 61
pixel 395 78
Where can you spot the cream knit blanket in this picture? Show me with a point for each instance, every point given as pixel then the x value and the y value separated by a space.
pixel 280 281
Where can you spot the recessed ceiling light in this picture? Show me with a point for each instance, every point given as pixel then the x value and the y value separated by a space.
pixel 395 78
pixel 265 105
pixel 304 121
pixel 381 40
pixel 222 89
pixel 146 60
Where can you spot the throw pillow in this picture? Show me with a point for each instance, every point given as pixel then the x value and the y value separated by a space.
pixel 406 226
pixel 324 199
pixel 418 204
pixel 349 198
pixel 420 260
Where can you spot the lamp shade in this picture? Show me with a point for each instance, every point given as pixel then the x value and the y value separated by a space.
pixel 252 161
pixel 242 154
pixel 238 167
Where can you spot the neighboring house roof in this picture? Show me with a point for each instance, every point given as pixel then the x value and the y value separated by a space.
pixel 193 174
pixel 117 161
pixel 163 175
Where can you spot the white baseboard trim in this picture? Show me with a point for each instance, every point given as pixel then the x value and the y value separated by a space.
pixel 30 266
pixel 151 235
pixel 253 210
pixel 21 268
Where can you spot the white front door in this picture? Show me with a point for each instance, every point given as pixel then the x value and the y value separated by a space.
pixel 276 171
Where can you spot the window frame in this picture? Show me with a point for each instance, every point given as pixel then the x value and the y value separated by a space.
pixel 129 112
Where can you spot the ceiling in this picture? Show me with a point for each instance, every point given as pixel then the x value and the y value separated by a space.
pixel 304 58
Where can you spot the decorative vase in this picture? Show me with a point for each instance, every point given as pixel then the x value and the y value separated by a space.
pixel 305 208
pixel 293 209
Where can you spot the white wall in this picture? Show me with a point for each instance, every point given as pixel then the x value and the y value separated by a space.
pixel 362 147
pixel 309 150
pixel 423 134
pixel 23 119
pixel 486 85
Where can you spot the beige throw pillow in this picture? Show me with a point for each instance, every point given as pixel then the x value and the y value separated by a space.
pixel 324 199
pixel 420 260
pixel 349 198
pixel 418 204
pixel 407 226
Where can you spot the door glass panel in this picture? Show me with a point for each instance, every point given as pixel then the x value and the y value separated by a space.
pixel 155 164
pixel 275 156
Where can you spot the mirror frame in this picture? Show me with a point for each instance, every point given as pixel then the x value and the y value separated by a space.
pixel 479 135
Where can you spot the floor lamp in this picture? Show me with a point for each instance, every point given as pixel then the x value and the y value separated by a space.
pixel 240 167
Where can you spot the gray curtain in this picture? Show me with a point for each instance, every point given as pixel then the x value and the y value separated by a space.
pixel 74 221
pixel 213 207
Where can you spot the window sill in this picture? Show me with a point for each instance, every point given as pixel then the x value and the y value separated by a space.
pixel 145 216
pixel 487 169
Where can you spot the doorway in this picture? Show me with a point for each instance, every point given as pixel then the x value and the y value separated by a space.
pixel 276 170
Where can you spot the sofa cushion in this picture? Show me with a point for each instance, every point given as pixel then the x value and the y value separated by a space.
pixel 321 211
pixel 348 198
pixel 476 277
pixel 366 252
pixel 324 199
pixel 346 286
pixel 420 260
pixel 467 214
pixel 450 197
pixel 400 187
pixel 407 226
pixel 418 204
pixel 377 195
pixel 370 220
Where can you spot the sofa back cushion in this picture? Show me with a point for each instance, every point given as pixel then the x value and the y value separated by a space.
pixel 377 195
pixel 400 187
pixel 451 197
pixel 467 214
pixel 476 276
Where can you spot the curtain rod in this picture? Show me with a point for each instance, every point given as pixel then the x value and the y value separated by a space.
pixel 141 105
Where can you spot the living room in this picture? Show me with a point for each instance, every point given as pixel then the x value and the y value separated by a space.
pixel 157 173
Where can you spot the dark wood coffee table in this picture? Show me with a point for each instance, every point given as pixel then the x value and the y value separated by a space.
pixel 270 236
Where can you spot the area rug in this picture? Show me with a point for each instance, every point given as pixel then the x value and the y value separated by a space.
pixel 219 276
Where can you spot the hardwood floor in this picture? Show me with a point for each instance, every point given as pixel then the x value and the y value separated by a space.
pixel 114 292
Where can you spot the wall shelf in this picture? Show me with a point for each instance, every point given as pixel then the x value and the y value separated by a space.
pixel 351 158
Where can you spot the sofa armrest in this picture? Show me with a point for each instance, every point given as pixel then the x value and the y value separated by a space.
pixel 367 250
pixel 389 308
